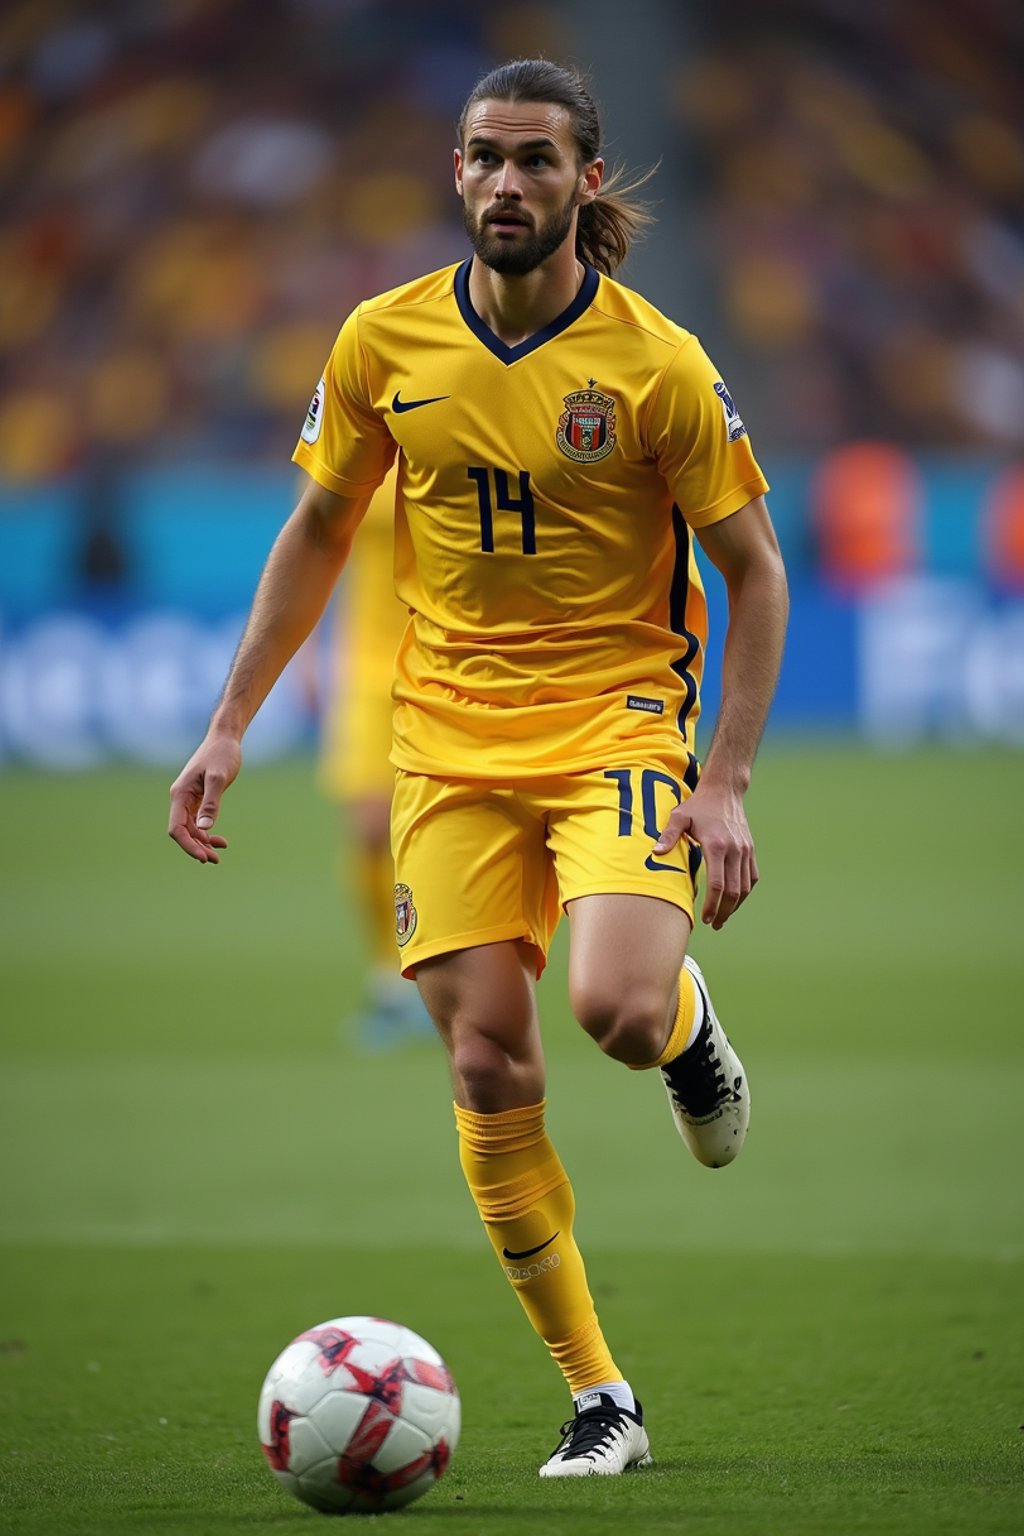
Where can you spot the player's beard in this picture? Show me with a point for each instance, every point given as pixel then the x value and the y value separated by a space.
pixel 514 258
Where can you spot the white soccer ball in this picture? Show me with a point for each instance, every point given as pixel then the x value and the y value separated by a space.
pixel 358 1414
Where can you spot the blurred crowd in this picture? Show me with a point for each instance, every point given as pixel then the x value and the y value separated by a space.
pixel 861 196
pixel 195 192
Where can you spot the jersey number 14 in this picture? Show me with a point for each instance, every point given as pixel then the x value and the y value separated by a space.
pixel 502 500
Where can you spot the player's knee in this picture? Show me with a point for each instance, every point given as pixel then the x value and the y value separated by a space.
pixel 488 1080
pixel 629 1029
pixel 480 1068
pixel 492 1072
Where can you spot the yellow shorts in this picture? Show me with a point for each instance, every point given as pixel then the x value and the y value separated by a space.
pixel 478 861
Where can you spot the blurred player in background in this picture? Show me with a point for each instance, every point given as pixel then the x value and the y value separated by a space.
pixel 559 443
pixel 356 771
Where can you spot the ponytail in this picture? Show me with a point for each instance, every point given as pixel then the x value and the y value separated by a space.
pixel 608 226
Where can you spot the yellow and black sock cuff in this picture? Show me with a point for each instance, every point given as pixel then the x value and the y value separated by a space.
pixel 675 1045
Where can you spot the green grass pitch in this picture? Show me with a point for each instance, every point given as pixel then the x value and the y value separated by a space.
pixel 828 1337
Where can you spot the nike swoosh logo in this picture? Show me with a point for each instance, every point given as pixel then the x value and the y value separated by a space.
pixel 413 405
pixel 528 1253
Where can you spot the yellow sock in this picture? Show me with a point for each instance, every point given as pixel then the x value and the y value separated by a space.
pixel 675 1045
pixel 526 1203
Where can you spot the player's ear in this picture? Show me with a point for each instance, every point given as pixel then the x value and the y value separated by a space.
pixel 591 178
pixel 458 169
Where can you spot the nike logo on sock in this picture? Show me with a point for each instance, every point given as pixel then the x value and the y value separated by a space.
pixel 399 406
pixel 528 1253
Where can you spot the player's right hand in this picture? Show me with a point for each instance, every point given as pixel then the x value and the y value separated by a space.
pixel 196 795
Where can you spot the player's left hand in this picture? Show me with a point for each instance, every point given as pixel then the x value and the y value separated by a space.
pixel 715 818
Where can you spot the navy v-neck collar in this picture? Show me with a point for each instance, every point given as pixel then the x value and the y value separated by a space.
pixel 506 354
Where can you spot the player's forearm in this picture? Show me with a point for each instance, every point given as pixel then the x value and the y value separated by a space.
pixel 293 591
pixel 758 610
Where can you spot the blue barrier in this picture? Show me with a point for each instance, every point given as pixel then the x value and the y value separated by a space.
pixel 928 657
pixel 196 536
pixel 89 674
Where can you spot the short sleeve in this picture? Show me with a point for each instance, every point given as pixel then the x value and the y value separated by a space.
pixel 697 437
pixel 345 444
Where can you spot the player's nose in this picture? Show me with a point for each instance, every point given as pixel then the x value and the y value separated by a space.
pixel 508 184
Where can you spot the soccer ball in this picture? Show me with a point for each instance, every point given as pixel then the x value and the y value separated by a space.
pixel 358 1414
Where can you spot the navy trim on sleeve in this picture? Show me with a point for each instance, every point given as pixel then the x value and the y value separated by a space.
pixel 677 619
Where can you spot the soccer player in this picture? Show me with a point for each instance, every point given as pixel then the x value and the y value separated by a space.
pixel 355 767
pixel 559 444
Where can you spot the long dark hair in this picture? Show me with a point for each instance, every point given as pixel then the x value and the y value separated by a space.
pixel 608 226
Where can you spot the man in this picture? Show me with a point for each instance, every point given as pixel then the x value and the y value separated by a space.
pixel 557 441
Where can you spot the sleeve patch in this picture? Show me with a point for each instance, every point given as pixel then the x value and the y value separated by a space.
pixel 733 423
pixel 315 414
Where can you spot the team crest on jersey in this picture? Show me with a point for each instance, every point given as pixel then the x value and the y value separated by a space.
pixel 586 428
pixel 733 425
pixel 405 914
pixel 315 414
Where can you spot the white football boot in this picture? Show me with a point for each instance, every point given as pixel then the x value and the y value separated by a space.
pixel 707 1089
pixel 601 1441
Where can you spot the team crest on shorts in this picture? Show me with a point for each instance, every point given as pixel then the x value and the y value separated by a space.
pixel 405 915
pixel 586 428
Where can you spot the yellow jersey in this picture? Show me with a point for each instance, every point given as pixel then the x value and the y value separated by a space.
pixel 546 496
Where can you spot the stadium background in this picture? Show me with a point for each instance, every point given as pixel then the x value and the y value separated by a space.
pixel 193 195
